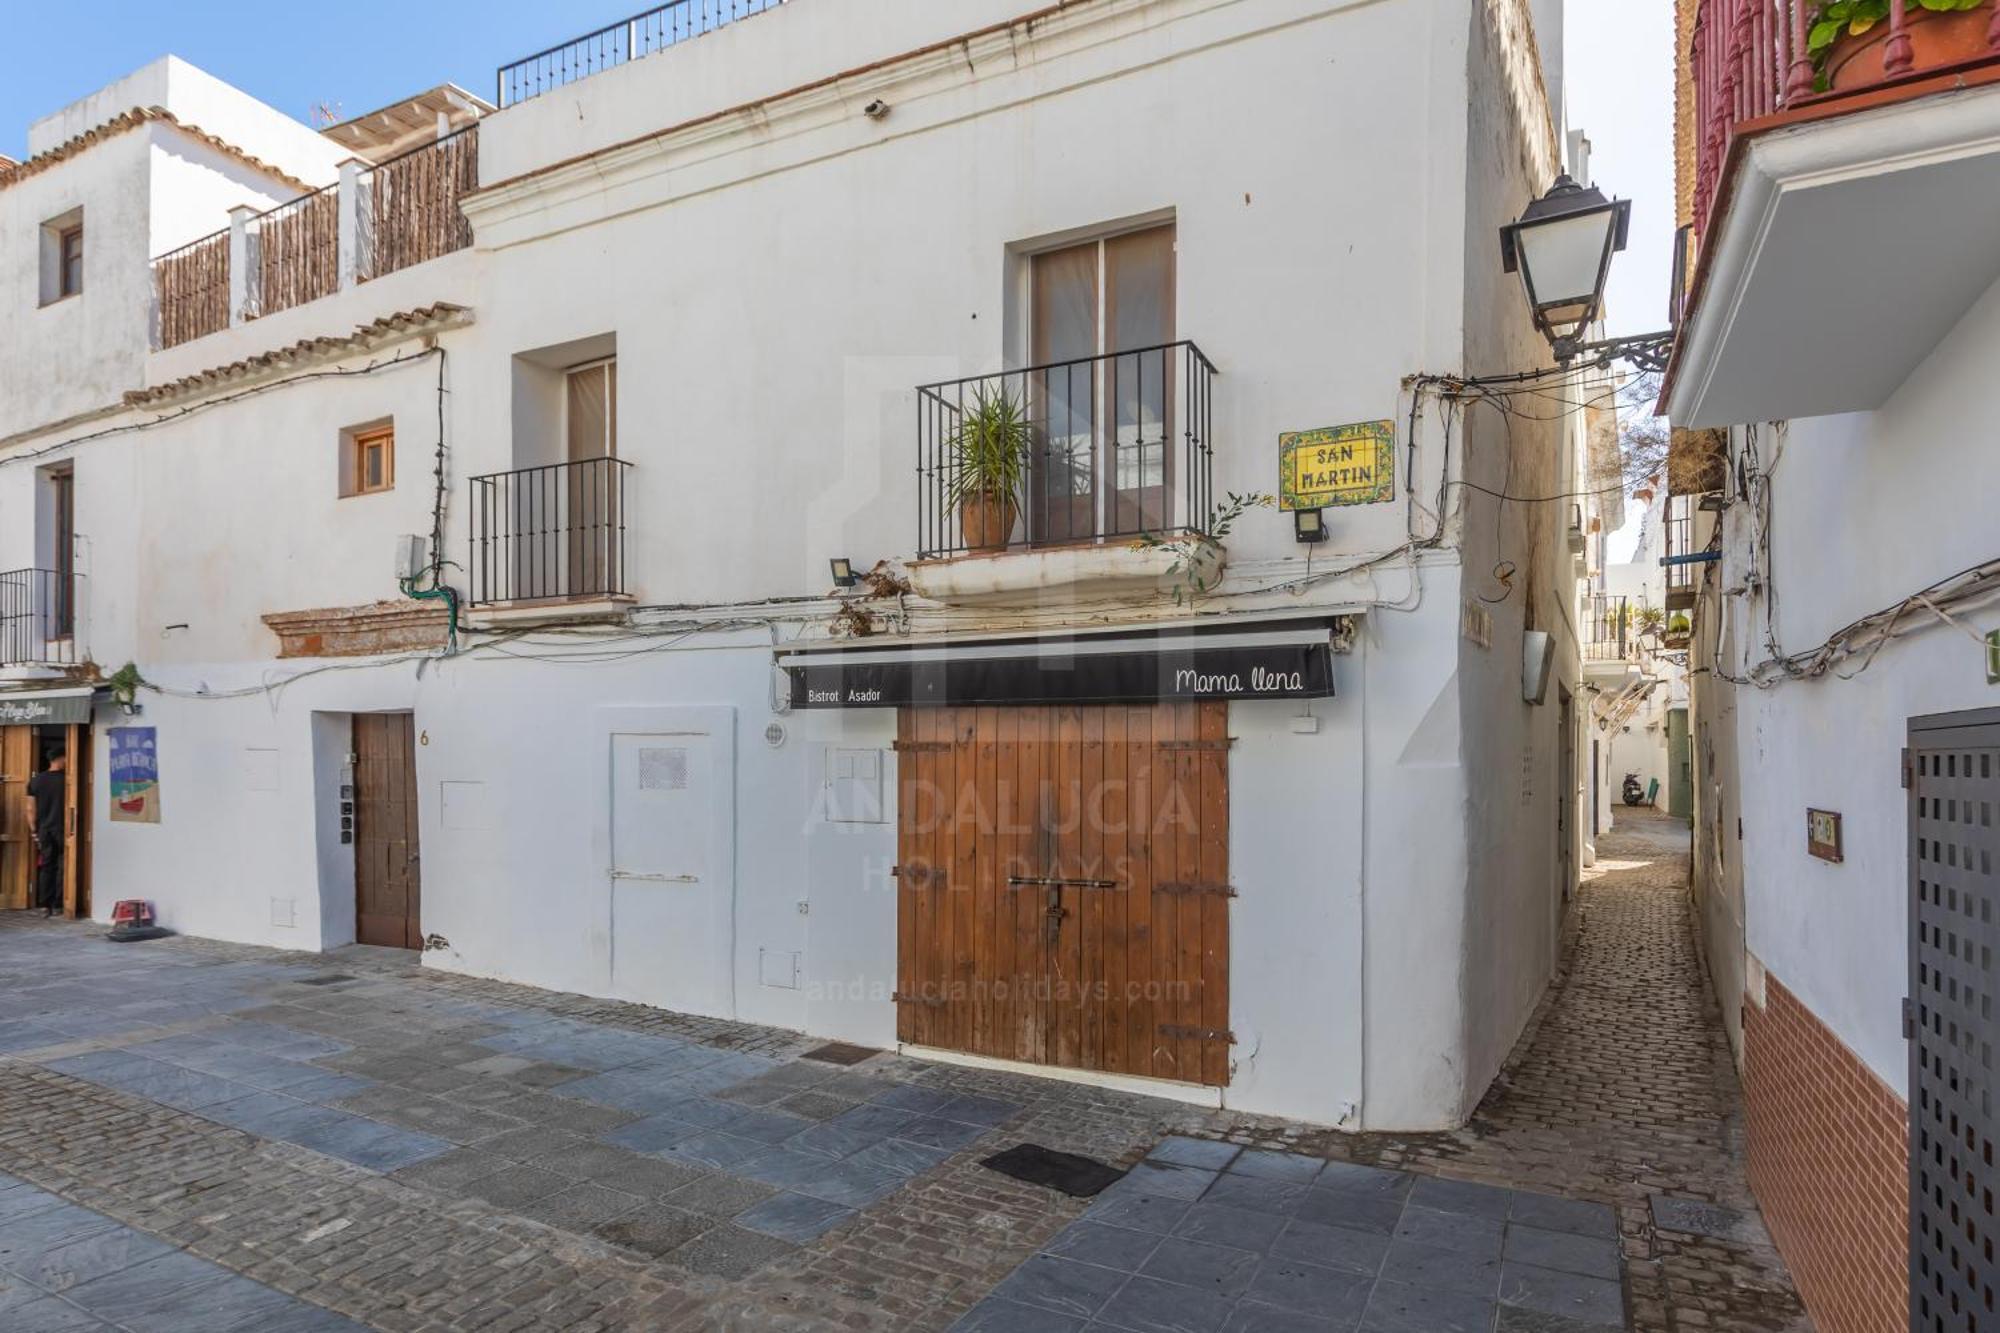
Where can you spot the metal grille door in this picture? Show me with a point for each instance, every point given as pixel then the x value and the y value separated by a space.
pixel 1954 780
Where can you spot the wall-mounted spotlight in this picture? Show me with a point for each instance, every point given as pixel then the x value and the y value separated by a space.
pixel 843 572
pixel 1309 525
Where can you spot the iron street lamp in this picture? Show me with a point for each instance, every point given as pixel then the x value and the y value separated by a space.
pixel 1562 247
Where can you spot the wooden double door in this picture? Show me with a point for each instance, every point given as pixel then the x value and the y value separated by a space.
pixel 1063 886
pixel 388 879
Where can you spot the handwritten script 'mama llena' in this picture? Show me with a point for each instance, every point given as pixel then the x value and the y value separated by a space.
pixel 1262 681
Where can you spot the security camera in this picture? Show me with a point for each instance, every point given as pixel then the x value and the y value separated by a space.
pixel 876 109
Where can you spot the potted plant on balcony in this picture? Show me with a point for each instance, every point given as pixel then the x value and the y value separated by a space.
pixel 990 462
pixel 1847 38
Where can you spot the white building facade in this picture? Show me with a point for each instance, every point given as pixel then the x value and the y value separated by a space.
pixel 1250 821
pixel 1836 453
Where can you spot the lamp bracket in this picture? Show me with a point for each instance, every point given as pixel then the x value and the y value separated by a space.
pixel 1647 351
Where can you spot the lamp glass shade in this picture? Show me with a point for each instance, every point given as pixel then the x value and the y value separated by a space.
pixel 1564 262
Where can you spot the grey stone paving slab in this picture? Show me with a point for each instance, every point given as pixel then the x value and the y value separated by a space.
pixel 1291 1168
pixel 516 1186
pixel 1577 1216
pixel 1061 1285
pixel 1149 1305
pixel 1478 1237
pixel 1589 1256
pixel 452 1172
pixel 794 1217
pixel 720 1196
pixel 1207 1154
pixel 51 1314
pixel 1427 1266
pixel 656 1229
pixel 27 1238
pixel 1274 1242
pixel 583 1207
pixel 102 1252
pixel 815 1105
pixel 998 1315
pixel 1587 1300
pixel 1145 1212
pixel 1396 1307
pixel 937 1132
pixel 1257 1193
pixel 1331 1247
pixel 905 1159
pixel 1166 1180
pixel 372 1144
pixel 729 1251
pixel 1106 1246
pixel 1219 1269
pixel 1355 1210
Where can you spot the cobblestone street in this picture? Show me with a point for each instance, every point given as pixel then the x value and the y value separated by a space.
pixel 410 1150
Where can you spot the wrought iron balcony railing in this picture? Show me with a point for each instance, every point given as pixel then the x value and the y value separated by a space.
pixel 1117 445
pixel 39 618
pixel 1609 631
pixel 549 533
pixel 616 43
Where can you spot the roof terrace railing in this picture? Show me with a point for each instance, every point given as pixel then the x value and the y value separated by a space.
pixel 641 35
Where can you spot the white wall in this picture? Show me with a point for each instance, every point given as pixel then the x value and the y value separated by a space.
pixel 198 98
pixel 1858 486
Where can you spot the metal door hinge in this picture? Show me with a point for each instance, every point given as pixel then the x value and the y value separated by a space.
pixel 1215 890
pixel 1195 745
pixel 918 875
pixel 1184 1032
pixel 901 998
pixel 912 747
pixel 1909 1020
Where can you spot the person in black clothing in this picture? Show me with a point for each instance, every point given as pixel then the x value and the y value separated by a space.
pixel 48 795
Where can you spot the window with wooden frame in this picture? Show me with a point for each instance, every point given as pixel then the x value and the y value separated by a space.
pixel 62 257
pixel 368 459
pixel 69 249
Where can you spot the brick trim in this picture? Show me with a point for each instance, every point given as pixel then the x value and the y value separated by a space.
pixel 1829 1161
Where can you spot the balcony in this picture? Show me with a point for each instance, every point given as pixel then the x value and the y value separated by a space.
pixel 39 617
pixel 615 44
pixel 1610 630
pixel 1806 158
pixel 373 222
pixel 550 537
pixel 1682 579
pixel 1117 446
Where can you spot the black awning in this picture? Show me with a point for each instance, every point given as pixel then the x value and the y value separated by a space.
pixel 45 707
pixel 1293 663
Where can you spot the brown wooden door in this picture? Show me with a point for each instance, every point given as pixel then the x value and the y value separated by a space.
pixel 1063 894
pixel 76 821
pixel 17 841
pixel 386 863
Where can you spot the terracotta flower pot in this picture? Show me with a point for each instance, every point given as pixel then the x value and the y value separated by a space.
pixel 987 521
pixel 1936 40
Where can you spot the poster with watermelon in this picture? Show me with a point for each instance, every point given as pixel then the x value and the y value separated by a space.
pixel 135 775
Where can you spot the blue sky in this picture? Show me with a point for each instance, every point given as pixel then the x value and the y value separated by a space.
pixel 356 54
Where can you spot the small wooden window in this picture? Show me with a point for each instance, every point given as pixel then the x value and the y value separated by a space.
pixel 69 250
pixel 374 461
